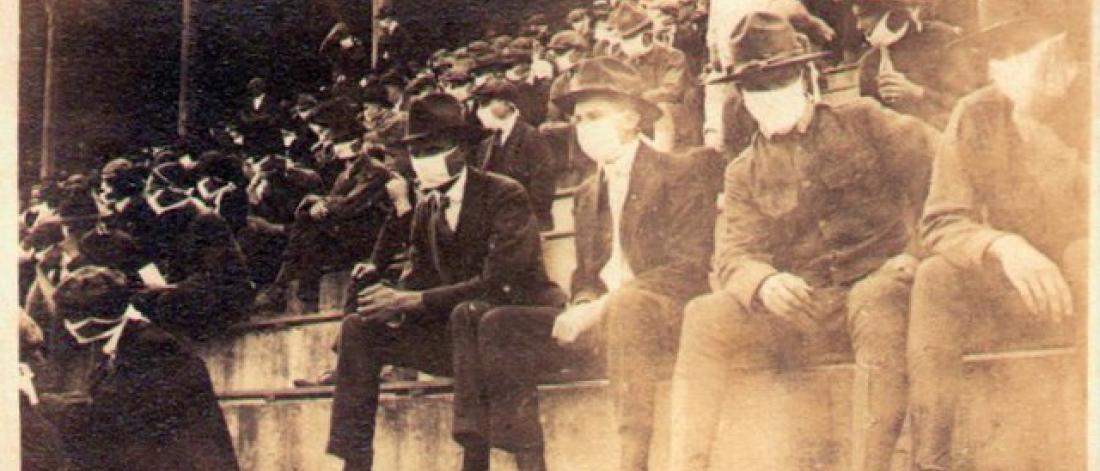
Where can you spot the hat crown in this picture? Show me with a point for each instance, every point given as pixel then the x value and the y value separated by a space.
pixel 567 39
pixel 608 75
pixel 434 113
pixel 628 19
pixel 497 88
pixel 764 36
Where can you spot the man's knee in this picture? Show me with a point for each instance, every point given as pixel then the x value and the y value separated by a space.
pixel 628 303
pixel 937 276
pixel 467 315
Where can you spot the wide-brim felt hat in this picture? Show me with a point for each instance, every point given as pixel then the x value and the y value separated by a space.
pixel 567 39
pixel 607 76
pixel 496 88
pixel 763 43
pixel 439 114
pixel 1012 26
pixel 628 20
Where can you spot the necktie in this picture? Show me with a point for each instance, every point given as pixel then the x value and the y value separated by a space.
pixel 604 225
pixel 438 230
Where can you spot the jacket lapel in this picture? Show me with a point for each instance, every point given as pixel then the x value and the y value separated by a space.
pixel 639 193
pixel 470 214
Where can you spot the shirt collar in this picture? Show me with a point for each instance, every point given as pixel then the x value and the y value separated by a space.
pixel 458 188
pixel 507 126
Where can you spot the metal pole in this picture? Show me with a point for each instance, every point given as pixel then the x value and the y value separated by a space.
pixel 375 32
pixel 46 167
pixel 185 59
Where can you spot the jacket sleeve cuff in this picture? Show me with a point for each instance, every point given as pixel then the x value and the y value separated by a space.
pixel 971 253
pixel 747 279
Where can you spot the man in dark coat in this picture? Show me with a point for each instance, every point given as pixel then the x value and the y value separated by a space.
pixel 150 405
pixel 516 149
pixel 909 67
pixel 665 73
pixel 817 215
pixel 260 120
pixel 473 238
pixel 645 231
pixel 1007 216
pixel 332 229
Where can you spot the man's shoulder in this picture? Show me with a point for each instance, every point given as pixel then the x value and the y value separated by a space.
pixel 492 183
pixel 146 341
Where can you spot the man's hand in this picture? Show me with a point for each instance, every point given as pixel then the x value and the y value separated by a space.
pixel 383 302
pixel 364 270
pixel 318 211
pixel 895 86
pixel 787 296
pixel 576 321
pixel 398 190
pixel 1037 279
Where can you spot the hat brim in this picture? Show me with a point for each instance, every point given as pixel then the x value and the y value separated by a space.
pixel 466 133
pixel 650 112
pixel 756 68
pixel 1009 37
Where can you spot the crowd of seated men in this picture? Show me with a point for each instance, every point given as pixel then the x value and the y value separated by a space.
pixel 725 216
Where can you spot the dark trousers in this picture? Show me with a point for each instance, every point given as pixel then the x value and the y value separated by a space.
pixel 953 308
pixel 422 342
pixel 643 332
pixel 721 337
pixel 500 355
pixel 313 245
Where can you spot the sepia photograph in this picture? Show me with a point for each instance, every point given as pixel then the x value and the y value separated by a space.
pixel 550 235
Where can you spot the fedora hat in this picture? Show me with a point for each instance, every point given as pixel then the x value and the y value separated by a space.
pixel 567 39
pixel 496 88
pixel 629 20
pixel 607 76
pixel 439 114
pixel 765 42
pixel 1008 27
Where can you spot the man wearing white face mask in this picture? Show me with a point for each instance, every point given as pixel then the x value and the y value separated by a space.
pixel 664 72
pixel 1007 217
pixel 516 149
pixel 645 226
pixel 473 240
pixel 909 67
pixel 816 218
pixel 151 406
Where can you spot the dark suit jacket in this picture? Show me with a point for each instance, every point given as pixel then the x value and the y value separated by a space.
pixel 154 409
pixel 667 229
pixel 525 157
pixel 260 127
pixel 497 255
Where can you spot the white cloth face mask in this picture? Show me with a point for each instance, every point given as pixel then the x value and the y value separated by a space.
pixel 778 111
pixel 599 139
pixel 431 171
pixel 882 36
pixel 489 120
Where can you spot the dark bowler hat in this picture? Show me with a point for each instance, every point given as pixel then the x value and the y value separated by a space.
pixel 628 20
pixel 607 76
pixel 764 43
pixel 496 88
pixel 1008 27
pixel 567 39
pixel 438 114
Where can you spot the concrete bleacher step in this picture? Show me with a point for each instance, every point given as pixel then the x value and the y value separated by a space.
pixel 1020 411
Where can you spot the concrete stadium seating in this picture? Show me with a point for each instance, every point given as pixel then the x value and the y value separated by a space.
pixel 1023 406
